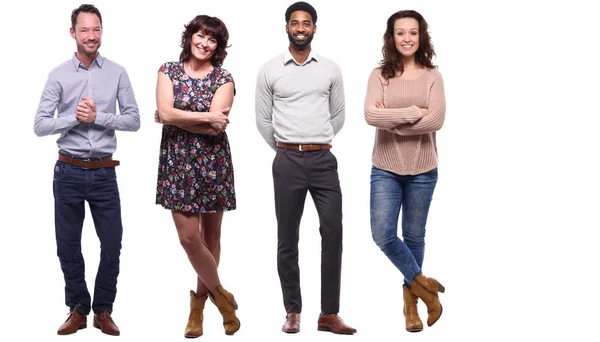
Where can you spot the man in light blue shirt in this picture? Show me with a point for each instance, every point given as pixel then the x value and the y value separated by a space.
pixel 79 103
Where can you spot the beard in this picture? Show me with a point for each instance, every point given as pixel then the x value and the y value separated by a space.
pixel 82 48
pixel 300 45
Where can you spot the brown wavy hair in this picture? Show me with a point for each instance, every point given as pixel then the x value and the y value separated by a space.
pixel 392 61
pixel 208 25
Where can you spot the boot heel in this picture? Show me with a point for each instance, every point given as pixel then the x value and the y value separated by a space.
pixel 235 304
pixel 441 288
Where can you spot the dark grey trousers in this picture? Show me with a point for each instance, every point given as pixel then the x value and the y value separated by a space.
pixel 294 174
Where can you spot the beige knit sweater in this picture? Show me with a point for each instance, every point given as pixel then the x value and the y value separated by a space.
pixel 405 140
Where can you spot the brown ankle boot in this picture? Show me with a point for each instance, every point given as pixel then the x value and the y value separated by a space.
pixel 194 324
pixel 427 289
pixel 411 315
pixel 227 305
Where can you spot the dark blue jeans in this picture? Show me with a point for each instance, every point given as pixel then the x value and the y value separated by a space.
pixel 389 193
pixel 74 186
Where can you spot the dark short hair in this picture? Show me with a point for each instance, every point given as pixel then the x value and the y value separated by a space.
pixel 85 8
pixel 301 6
pixel 208 25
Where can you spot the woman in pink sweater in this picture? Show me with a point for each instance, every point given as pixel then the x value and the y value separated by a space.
pixel 405 102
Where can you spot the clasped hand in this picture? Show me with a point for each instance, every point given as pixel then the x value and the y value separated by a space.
pixel 86 110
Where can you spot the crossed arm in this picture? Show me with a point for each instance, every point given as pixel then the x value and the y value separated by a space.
pixel 410 120
pixel 212 122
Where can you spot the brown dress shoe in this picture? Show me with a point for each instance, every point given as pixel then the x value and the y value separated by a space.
pixel 292 323
pixel 74 322
pixel 335 324
pixel 105 323
pixel 411 315
pixel 196 317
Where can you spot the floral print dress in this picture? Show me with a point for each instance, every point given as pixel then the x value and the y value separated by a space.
pixel 195 171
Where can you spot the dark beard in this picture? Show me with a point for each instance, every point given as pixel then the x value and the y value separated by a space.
pixel 300 46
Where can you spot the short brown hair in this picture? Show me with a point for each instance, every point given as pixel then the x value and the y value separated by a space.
pixel 85 8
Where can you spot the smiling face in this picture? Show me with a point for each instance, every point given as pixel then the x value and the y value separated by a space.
pixel 203 46
pixel 406 37
pixel 87 34
pixel 300 29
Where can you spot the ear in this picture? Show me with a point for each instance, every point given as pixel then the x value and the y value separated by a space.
pixel 314 29
pixel 287 28
pixel 72 32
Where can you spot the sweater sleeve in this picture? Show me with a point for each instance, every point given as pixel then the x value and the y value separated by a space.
pixel 385 118
pixel 433 121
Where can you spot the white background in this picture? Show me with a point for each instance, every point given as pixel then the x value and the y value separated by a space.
pixel 513 224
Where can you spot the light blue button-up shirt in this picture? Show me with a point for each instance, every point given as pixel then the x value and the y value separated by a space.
pixel 107 83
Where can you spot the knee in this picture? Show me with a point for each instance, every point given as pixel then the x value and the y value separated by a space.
pixel 414 239
pixel 381 239
pixel 381 232
pixel 190 242
pixel 413 234
pixel 211 240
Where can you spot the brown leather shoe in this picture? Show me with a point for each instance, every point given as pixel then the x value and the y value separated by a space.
pixel 196 317
pixel 334 324
pixel 105 323
pixel 74 322
pixel 292 323
pixel 411 315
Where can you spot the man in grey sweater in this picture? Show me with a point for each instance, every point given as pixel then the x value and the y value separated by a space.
pixel 299 110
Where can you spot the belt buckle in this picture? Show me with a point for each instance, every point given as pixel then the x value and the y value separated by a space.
pixel 82 163
pixel 300 147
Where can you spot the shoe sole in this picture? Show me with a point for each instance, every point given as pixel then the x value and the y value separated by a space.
pixel 328 329
pixel 79 328
pixel 97 326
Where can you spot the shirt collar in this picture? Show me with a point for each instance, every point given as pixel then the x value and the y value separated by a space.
pixel 287 57
pixel 99 61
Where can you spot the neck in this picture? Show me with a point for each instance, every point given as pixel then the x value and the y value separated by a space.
pixel 300 55
pixel 409 62
pixel 86 59
pixel 197 65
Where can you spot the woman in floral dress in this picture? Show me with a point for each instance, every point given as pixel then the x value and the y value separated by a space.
pixel 195 173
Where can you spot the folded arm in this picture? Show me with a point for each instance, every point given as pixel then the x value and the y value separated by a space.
pixel 385 118
pixel 170 115
pixel 433 121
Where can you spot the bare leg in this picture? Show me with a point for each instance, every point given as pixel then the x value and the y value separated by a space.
pixel 210 225
pixel 191 240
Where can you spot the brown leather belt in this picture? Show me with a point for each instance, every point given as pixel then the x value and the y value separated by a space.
pixel 304 147
pixel 89 163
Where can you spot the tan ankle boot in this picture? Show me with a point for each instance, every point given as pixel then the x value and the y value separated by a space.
pixel 227 305
pixel 194 324
pixel 427 289
pixel 411 315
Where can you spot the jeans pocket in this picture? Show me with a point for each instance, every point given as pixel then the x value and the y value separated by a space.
pixel 60 170
pixel 109 173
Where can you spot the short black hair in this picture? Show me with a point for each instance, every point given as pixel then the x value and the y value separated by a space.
pixel 85 8
pixel 301 6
